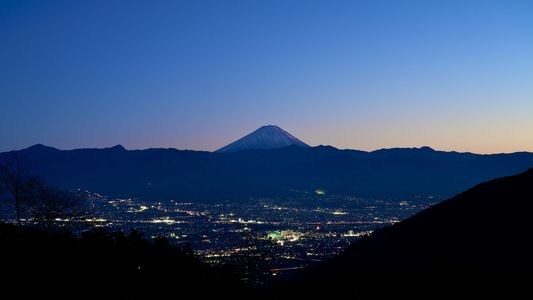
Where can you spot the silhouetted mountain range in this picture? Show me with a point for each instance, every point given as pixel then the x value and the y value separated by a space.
pixel 478 242
pixel 161 174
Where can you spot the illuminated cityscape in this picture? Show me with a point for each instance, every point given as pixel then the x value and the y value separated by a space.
pixel 267 237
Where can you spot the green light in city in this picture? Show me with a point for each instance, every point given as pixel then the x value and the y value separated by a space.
pixel 320 192
pixel 275 235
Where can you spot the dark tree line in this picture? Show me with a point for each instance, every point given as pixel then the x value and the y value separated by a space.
pixel 32 197
pixel 101 264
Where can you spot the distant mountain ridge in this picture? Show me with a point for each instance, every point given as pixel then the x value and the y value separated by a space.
pixel 266 137
pixel 163 174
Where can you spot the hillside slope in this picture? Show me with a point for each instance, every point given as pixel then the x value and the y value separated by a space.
pixel 479 242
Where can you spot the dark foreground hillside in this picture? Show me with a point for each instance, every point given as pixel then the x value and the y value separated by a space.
pixel 479 243
pixel 105 265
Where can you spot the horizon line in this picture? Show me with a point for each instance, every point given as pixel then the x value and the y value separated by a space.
pixel 214 151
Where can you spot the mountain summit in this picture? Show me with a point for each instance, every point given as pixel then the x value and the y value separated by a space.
pixel 266 137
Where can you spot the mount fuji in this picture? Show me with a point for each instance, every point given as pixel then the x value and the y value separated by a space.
pixel 266 137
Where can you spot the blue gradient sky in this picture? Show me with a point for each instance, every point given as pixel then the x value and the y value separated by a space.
pixel 454 75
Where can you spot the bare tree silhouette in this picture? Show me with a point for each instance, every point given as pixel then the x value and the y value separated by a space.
pixel 17 182
pixel 49 204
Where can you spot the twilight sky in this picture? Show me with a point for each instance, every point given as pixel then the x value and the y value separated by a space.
pixel 454 75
